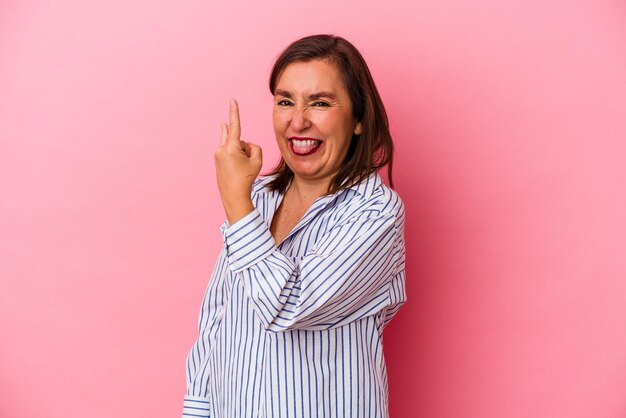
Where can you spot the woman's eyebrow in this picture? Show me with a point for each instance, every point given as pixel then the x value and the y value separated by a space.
pixel 283 93
pixel 325 94
pixel 312 96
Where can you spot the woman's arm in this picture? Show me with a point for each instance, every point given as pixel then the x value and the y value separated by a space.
pixel 355 270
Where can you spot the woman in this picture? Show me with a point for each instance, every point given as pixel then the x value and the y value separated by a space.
pixel 312 268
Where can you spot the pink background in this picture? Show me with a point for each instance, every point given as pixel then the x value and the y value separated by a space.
pixel 510 125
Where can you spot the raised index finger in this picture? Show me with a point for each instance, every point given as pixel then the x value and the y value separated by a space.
pixel 234 130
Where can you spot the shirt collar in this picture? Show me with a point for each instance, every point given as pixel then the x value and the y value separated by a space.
pixel 365 188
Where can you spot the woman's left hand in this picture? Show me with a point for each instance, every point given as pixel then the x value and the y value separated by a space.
pixel 237 165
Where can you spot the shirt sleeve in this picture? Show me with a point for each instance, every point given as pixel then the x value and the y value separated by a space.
pixel 349 274
pixel 210 313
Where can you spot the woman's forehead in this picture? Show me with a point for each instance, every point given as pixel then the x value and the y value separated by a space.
pixel 310 78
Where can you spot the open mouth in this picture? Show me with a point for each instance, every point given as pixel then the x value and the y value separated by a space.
pixel 304 146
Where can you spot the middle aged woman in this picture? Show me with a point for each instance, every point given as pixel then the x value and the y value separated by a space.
pixel 312 268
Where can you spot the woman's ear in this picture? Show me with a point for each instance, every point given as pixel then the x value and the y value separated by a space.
pixel 358 128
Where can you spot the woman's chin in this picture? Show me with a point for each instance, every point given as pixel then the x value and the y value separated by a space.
pixel 305 173
pixel 311 169
pixel 305 170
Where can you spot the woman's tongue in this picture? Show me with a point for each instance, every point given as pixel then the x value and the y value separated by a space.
pixel 304 146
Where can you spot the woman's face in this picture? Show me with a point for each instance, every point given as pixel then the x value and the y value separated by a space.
pixel 313 119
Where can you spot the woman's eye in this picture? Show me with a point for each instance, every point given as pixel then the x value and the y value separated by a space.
pixel 321 104
pixel 283 103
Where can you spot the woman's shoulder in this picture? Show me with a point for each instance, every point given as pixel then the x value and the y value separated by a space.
pixel 373 197
pixel 390 200
pixel 375 192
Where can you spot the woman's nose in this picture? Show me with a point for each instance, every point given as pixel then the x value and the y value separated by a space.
pixel 299 119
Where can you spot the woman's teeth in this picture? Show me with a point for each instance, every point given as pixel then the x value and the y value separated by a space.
pixel 304 142
pixel 304 146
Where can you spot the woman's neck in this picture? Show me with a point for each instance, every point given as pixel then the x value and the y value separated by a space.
pixel 306 191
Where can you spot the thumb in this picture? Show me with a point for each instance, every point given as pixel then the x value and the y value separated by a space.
pixel 224 136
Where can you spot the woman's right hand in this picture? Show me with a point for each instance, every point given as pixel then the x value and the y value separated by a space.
pixel 237 165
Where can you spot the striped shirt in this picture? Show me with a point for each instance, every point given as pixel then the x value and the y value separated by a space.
pixel 295 330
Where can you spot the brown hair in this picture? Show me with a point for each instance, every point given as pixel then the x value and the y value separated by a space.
pixel 370 150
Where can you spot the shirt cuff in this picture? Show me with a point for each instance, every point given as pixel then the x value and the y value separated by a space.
pixel 196 406
pixel 247 241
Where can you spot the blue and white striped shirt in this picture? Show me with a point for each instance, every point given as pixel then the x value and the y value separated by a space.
pixel 295 330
